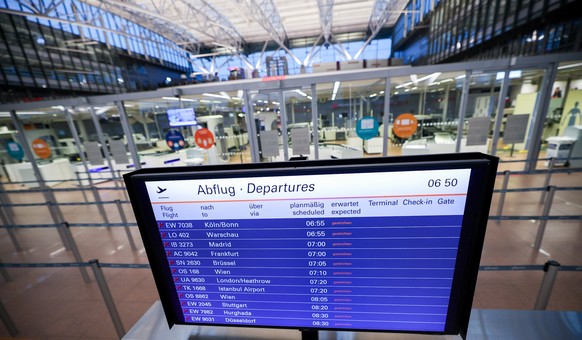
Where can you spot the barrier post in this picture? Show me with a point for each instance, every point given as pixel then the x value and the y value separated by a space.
pixel 124 221
pixel 8 221
pixel 545 213
pixel 81 186
pixel 551 269
pixel 100 205
pixel 62 235
pixel 4 273
pixel 123 189
pixel 100 278
pixel 8 321
pixel 548 179
pixel 506 175
pixel 5 199
pixel 67 232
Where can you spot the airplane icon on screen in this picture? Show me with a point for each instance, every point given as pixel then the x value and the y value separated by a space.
pixel 160 190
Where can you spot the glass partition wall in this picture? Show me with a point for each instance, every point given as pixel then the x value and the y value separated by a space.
pixel 562 126
pixel 350 118
pixel 430 109
pixel 46 150
pixel 424 112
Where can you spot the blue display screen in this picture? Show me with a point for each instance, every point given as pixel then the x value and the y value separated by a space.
pixel 367 251
pixel 181 117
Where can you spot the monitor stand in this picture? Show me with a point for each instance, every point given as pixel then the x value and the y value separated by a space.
pixel 309 335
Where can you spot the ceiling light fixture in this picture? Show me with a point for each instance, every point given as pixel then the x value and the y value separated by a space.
pixel 403 85
pixel 216 95
pixel 569 66
pixel 178 99
pixel 336 86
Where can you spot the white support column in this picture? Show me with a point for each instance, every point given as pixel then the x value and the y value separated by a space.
pixel 499 114
pixel 463 110
pixel 251 128
pixel 129 133
pixel 386 118
pixel 533 141
pixel 314 120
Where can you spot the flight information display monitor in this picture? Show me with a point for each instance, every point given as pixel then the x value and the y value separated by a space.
pixel 378 244
pixel 181 117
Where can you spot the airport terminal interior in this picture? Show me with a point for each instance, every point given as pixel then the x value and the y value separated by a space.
pixel 93 90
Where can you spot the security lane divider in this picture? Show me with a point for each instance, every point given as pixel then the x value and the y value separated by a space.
pixel 125 265
pixel 511 268
pixel 75 250
pixel 80 185
pixel 7 320
pixel 527 267
pixel 7 220
pixel 103 225
pixel 5 199
pixel 549 159
pixel 68 240
pixel 99 203
pixel 537 189
pixel 73 225
pixel 109 302
pixel 4 273
pixel 32 190
pixel 547 179
pixel 4 207
pixel 551 269
pixel 504 190
pixel 125 227
pixel 538 218
pixel 62 203
pixel 545 212
pixel 551 272
pixel 544 171
pixel 66 235
pixel 99 278
pixel 120 179
pixel 501 191
pixel 547 200
pixel 100 225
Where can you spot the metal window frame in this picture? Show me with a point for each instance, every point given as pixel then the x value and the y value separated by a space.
pixel 299 81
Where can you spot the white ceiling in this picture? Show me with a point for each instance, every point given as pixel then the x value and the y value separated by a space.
pixel 233 24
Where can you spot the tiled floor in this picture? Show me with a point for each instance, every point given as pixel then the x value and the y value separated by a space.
pixel 55 303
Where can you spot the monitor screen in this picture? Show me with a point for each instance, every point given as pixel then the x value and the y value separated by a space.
pixel 182 117
pixel 378 244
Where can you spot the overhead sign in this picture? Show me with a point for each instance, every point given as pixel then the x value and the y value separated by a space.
pixel 405 125
pixel 367 128
pixel 204 138
pixel 175 140
pixel 41 148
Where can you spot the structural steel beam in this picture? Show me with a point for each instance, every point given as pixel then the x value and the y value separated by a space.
pixel 265 13
pixel 325 18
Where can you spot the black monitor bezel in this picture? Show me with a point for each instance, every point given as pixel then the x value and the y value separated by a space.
pixel 483 171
